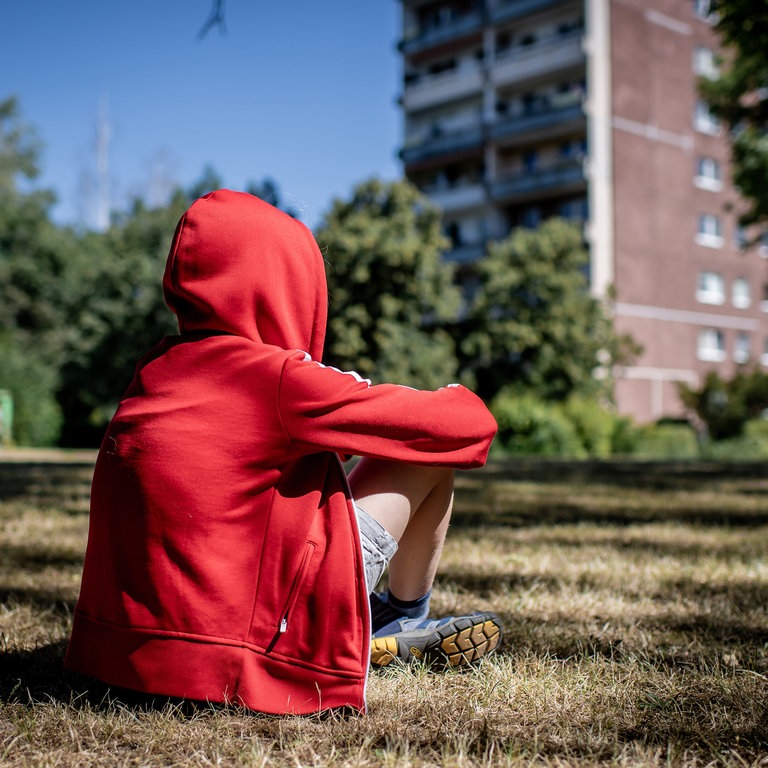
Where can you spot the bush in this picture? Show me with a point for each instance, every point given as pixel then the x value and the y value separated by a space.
pixel 751 446
pixel 578 428
pixel 529 426
pixel 625 436
pixel 726 405
pixel 37 417
pixel 594 425
pixel 666 441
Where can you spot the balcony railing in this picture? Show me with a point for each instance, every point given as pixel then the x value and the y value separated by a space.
pixel 451 199
pixel 433 89
pixel 521 62
pixel 564 176
pixel 431 36
pixel 506 10
pixel 467 253
pixel 542 122
pixel 442 143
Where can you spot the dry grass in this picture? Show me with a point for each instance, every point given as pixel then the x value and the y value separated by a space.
pixel 636 634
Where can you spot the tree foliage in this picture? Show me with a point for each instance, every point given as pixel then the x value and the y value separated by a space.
pixel 37 284
pixel 390 292
pixel 724 406
pixel 534 325
pixel 123 316
pixel 739 97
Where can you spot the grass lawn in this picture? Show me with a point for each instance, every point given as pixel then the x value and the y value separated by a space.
pixel 636 616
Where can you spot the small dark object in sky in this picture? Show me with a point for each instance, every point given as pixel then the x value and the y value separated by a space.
pixel 216 18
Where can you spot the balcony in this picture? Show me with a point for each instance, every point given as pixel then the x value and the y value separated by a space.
pixel 448 31
pixel 564 177
pixel 526 62
pixel 467 253
pixel 461 196
pixel 508 10
pixel 438 143
pixel 541 123
pixel 430 90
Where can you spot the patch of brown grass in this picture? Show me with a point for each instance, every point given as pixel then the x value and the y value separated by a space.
pixel 636 634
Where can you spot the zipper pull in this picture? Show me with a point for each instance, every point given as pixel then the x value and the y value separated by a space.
pixel 283 625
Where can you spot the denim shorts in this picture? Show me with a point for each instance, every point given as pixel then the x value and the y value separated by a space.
pixel 378 547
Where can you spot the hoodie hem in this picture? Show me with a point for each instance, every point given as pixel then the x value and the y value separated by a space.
pixel 177 666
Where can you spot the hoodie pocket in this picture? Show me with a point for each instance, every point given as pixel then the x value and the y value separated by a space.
pixel 284 619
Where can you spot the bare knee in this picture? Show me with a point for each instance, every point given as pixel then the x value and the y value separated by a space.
pixel 392 492
pixel 381 475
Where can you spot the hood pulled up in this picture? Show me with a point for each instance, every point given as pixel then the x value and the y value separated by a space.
pixel 240 266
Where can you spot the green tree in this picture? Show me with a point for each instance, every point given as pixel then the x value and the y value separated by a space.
pixel 123 316
pixel 533 324
pixel 725 406
pixel 269 191
pixel 739 97
pixel 37 284
pixel 390 292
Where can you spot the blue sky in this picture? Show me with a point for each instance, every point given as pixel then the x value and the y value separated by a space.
pixel 303 91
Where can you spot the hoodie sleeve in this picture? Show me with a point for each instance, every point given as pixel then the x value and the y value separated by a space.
pixel 325 409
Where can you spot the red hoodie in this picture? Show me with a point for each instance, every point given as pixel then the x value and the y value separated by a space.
pixel 223 559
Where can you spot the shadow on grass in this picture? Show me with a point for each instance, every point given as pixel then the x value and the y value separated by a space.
pixel 31 677
pixel 520 513
pixel 38 599
pixel 662 474
pixel 36 557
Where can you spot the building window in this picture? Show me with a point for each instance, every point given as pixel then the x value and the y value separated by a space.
pixel 741 350
pixel 531 217
pixel 574 149
pixel 711 346
pixel 530 161
pixel 708 174
pixel 702 9
pixel 740 237
pixel 575 209
pixel 453 232
pixel 710 231
pixel 705 63
pixel 763 250
pixel 704 121
pixel 711 288
pixel 740 295
pixel 764 356
pixel 764 302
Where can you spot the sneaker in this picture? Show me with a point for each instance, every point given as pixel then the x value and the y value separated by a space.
pixel 455 641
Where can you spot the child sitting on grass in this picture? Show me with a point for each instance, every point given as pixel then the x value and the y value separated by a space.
pixel 230 558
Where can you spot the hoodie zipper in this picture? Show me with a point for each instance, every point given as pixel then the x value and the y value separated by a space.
pixel 293 594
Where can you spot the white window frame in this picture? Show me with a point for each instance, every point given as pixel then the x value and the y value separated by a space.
pixel 702 9
pixel 710 288
pixel 709 174
pixel 742 348
pixel 741 293
pixel 709 232
pixel 711 345
pixel 704 121
pixel 705 63
pixel 740 237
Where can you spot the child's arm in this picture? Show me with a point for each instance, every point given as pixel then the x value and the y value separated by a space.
pixel 325 409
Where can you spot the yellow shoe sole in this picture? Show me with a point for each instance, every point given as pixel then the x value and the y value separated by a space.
pixel 460 642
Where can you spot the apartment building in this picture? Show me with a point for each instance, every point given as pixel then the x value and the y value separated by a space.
pixel 518 110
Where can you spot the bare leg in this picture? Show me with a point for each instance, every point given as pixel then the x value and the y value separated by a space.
pixel 414 504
